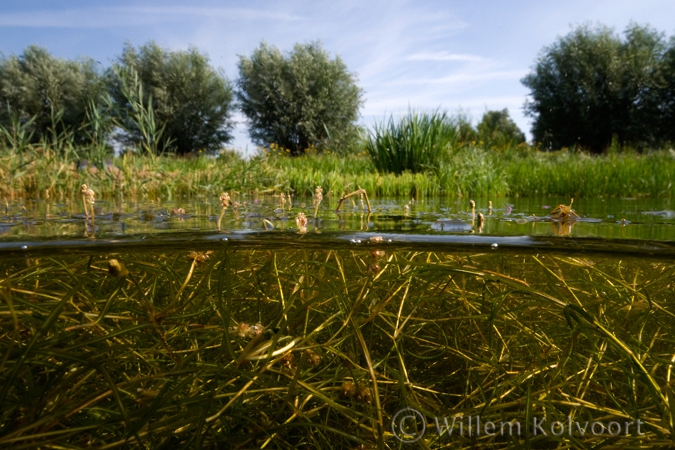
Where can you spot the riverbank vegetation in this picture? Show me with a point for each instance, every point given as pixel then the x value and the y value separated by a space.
pixel 167 116
pixel 472 170
pixel 589 90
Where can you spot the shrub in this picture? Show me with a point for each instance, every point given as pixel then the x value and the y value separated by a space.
pixel 300 101
pixel 496 129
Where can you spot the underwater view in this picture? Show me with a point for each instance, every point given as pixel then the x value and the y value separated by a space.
pixel 417 325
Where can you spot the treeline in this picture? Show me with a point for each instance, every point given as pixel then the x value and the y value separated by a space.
pixel 591 89
pixel 155 100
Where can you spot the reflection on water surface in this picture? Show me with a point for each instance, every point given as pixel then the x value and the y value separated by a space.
pixel 652 219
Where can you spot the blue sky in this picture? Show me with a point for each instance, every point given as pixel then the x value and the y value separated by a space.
pixel 467 55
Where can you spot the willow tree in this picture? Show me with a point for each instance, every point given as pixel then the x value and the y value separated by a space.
pixel 175 92
pixel 497 129
pixel 592 86
pixel 300 100
pixel 55 98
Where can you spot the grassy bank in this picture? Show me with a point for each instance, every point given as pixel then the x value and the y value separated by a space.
pixel 306 348
pixel 471 171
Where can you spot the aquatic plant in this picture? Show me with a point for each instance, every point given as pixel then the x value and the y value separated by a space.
pixel 318 197
pixel 480 221
pixel 361 193
pixel 564 213
pixel 224 203
pixel 279 348
pixel 301 223
pixel 88 198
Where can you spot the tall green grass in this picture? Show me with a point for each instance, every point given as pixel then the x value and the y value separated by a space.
pixel 417 142
pixel 41 170
pixel 625 174
pixel 155 355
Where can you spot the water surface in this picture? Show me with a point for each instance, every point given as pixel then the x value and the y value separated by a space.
pixel 651 219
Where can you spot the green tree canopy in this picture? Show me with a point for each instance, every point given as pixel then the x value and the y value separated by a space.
pixel 58 93
pixel 667 93
pixel 302 100
pixel 498 129
pixel 186 97
pixel 591 85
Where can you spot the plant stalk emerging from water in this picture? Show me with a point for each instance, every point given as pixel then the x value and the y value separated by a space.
pixel 88 198
pixel 318 196
pixel 224 202
pixel 361 192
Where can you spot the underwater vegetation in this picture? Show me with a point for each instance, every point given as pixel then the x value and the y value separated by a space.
pixel 297 347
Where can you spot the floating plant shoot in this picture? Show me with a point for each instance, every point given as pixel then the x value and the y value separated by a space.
pixel 564 213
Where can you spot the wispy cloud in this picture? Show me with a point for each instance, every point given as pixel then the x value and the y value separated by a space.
pixel 427 100
pixel 444 56
pixel 134 16
pixel 464 77
pixel 214 13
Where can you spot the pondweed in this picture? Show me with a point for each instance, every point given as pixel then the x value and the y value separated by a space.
pixel 159 349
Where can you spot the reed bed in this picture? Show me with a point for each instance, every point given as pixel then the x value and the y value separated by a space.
pixel 417 142
pixel 307 348
pixel 473 171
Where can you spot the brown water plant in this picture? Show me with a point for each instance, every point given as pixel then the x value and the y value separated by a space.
pixel 318 197
pixel 564 213
pixel 224 203
pixel 360 192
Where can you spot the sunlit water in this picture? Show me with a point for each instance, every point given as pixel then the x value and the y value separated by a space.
pixel 628 224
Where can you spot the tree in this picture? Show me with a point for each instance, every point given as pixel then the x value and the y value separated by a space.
pixel 667 94
pixel 642 82
pixel 590 86
pixel 300 101
pixel 60 96
pixel 497 129
pixel 177 94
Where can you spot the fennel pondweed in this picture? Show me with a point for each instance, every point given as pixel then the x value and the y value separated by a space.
pixel 150 349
